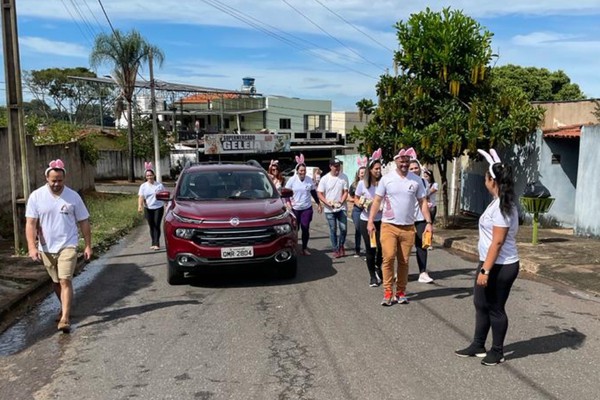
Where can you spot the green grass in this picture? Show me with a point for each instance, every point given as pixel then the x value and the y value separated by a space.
pixel 111 217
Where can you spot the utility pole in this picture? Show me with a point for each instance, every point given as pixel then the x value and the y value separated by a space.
pixel 14 104
pixel 154 123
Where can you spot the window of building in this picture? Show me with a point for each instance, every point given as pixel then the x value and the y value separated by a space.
pixel 285 123
pixel 315 122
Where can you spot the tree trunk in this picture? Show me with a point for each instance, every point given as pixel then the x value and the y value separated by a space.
pixel 130 141
pixel 443 168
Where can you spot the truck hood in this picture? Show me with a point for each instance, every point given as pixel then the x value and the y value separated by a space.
pixel 227 209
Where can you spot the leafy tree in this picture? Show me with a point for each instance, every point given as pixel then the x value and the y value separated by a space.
pixel 71 98
pixel 443 102
pixel 539 84
pixel 143 147
pixel 126 52
pixel 3 117
pixel 63 132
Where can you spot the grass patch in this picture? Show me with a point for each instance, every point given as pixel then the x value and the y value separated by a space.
pixel 111 216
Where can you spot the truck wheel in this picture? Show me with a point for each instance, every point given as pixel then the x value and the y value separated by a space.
pixel 174 277
pixel 289 269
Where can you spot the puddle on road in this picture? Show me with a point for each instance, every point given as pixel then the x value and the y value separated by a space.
pixel 40 321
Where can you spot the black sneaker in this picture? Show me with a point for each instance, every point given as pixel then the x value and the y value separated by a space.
pixel 493 357
pixel 373 282
pixel 471 351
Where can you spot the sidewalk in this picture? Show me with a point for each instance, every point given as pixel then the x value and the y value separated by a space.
pixel 560 256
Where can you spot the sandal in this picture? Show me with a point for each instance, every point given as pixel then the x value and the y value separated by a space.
pixel 65 327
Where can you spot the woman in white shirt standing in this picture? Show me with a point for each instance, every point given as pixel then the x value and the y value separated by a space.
pixel 499 262
pixel 153 209
pixel 432 188
pixel 301 202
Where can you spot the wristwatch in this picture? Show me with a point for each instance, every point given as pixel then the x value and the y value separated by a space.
pixel 484 271
pixel 428 222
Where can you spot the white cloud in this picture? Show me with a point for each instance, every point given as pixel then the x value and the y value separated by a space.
pixel 45 46
pixel 541 38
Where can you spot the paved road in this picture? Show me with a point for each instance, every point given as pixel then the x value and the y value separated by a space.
pixel 241 335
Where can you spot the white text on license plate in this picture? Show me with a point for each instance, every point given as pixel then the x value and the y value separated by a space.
pixel 237 252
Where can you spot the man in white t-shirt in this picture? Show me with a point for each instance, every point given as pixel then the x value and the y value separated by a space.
pixel 398 190
pixel 333 192
pixel 53 214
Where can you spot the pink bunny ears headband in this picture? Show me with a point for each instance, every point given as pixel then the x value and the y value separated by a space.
pixel 273 162
pixel 55 165
pixel 362 162
pixel 492 158
pixel 376 156
pixel 300 160
pixel 410 153
pixel 148 166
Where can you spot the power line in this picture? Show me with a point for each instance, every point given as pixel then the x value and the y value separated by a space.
pixel 76 23
pixel 354 26
pixel 93 14
pixel 83 18
pixel 333 37
pixel 106 15
pixel 236 14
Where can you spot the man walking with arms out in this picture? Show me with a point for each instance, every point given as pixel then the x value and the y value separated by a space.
pixel 53 213
pixel 333 192
pixel 398 190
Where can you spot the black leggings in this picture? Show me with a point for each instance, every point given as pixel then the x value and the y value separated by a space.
pixel 154 218
pixel 374 254
pixel 489 304
pixel 421 252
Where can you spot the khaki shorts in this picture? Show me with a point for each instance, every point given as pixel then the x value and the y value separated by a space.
pixel 61 265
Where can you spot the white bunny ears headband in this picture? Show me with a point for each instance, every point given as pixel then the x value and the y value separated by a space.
pixel 492 158
pixel 300 161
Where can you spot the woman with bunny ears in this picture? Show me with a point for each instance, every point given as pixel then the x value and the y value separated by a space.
pixel 153 209
pixel 275 174
pixel 301 202
pixel 498 262
pixel 365 193
pixel 357 208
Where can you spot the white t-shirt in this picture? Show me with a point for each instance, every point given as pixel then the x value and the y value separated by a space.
pixel 302 198
pixel 57 216
pixel 433 196
pixel 333 188
pixel 369 195
pixel 493 217
pixel 148 192
pixel 399 195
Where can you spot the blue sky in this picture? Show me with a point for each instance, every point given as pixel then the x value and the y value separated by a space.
pixel 338 50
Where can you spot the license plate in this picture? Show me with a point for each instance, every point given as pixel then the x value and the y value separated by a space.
pixel 237 252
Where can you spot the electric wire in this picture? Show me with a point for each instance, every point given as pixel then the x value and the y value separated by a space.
pixel 236 14
pixel 354 26
pixel 333 37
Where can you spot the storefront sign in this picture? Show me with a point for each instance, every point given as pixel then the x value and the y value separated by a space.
pixel 246 143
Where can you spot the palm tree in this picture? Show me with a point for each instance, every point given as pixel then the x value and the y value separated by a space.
pixel 365 107
pixel 126 52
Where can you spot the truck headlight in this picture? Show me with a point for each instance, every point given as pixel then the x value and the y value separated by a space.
pixel 184 233
pixel 283 229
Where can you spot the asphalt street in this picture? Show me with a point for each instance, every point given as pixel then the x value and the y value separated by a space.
pixel 245 334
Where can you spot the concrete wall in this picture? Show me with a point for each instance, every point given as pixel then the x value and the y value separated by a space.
pixel 344 121
pixel 114 164
pixel 80 175
pixel 587 198
pixel 568 113
pixel 295 109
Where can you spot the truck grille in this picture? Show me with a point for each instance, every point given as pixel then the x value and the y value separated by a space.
pixel 233 237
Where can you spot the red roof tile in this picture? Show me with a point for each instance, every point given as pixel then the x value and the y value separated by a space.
pixel 564 132
pixel 200 98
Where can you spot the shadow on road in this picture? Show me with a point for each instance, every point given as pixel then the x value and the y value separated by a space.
pixel 566 339
pixel 310 268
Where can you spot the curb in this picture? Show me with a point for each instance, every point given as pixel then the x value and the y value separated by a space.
pixel 529 266
pixel 29 296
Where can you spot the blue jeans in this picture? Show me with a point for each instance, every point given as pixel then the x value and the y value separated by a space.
pixel 334 219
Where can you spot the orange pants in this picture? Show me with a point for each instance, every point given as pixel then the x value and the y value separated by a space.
pixel 396 243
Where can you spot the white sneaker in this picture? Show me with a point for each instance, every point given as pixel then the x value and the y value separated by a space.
pixel 425 278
